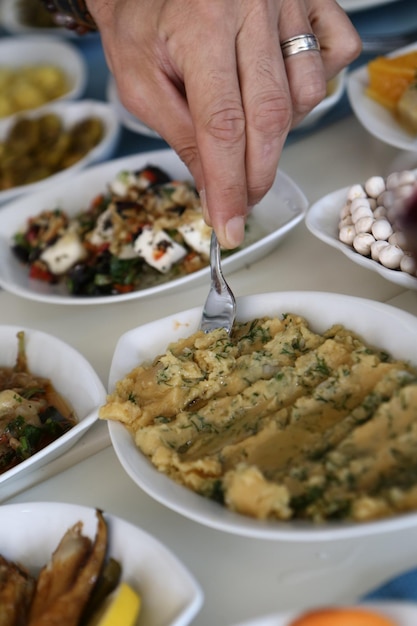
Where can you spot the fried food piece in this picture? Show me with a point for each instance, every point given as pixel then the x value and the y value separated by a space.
pixel 61 596
pixel 16 592
pixel 62 570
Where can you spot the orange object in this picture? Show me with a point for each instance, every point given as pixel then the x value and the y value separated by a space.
pixel 390 77
pixel 342 617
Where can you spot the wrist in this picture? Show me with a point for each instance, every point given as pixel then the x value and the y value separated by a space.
pixel 72 14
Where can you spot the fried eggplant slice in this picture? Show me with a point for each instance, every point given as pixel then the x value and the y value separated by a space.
pixel 60 573
pixel 16 591
pixel 67 608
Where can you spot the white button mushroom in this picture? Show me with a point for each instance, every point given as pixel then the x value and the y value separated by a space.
pixel 392 214
pixel 403 192
pixel 381 229
pixel 376 248
pixel 386 199
pixel 393 180
pixel 345 211
pixel 396 179
pixel 356 191
pixel 391 256
pixel 346 221
pixel 406 177
pixel 357 203
pixel 363 242
pixel 374 186
pixel 347 234
pixel 380 211
pixel 364 225
pixel 360 212
pixel 398 239
pixel 408 264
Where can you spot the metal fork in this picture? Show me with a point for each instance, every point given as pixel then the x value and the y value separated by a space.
pixel 387 42
pixel 220 307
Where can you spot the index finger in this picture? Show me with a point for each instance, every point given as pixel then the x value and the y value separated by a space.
pixel 215 103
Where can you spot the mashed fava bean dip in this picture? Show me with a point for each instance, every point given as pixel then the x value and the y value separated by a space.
pixel 279 422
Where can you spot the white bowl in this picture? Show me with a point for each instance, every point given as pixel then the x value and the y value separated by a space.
pixel 375 118
pixel 379 324
pixel 322 220
pixel 70 113
pixel 336 90
pixel 279 212
pixel 49 50
pixel 29 533
pixel 72 376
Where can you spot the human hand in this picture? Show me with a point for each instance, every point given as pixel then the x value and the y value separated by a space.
pixel 408 223
pixel 210 78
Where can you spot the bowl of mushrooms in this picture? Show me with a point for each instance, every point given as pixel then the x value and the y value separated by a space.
pixel 363 222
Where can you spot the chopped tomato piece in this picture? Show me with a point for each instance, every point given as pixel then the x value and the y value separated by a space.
pixel 150 175
pixel 123 288
pixel 97 200
pixel 40 273
pixel 96 249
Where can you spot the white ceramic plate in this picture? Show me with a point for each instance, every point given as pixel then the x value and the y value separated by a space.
pixel 381 325
pixel 374 117
pixel 360 5
pixel 29 533
pixel 404 614
pixel 126 118
pixel 337 90
pixel 49 50
pixel 279 212
pixel 322 220
pixel 71 375
pixel 70 113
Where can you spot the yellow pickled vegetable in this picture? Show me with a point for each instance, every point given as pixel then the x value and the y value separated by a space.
pixel 123 608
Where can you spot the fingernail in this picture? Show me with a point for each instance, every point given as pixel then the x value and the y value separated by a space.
pixel 235 231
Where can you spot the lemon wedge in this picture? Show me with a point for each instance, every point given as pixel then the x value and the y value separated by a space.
pixel 123 607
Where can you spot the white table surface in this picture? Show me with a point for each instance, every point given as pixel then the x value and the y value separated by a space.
pixel 242 578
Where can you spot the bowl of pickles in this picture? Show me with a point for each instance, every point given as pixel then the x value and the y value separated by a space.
pixel 54 142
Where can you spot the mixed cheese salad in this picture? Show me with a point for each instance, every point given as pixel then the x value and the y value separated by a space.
pixel 145 229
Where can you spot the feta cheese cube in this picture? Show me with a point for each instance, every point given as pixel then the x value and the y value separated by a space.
pixel 103 230
pixel 197 235
pixel 122 183
pixel 158 249
pixel 64 253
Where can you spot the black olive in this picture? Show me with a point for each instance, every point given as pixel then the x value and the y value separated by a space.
pixel 21 252
pixel 157 176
